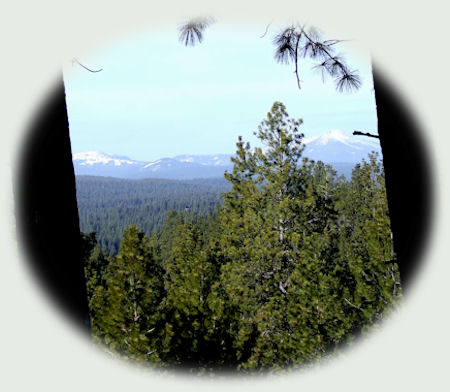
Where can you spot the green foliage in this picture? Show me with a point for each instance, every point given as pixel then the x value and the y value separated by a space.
pixel 108 206
pixel 189 270
pixel 293 265
pixel 366 243
pixel 124 311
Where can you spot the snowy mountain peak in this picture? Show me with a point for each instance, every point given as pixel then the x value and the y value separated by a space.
pixel 90 158
pixel 333 146
pixel 330 136
pixel 334 135
pixel 336 146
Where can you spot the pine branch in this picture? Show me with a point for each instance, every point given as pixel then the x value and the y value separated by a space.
pixel 296 60
pixel 312 42
pixel 314 47
pixel 192 32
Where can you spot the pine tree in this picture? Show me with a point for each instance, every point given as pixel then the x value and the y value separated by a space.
pixel 130 322
pixel 261 238
pixel 294 286
pixel 188 277
pixel 293 265
pixel 366 243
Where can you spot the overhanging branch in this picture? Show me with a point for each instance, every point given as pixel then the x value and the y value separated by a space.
pixel 75 60
pixel 365 134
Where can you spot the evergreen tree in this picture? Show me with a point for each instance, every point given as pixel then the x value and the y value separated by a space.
pixel 366 244
pixel 129 323
pixel 396 133
pixel 188 277
pixel 260 238
pixel 293 265
pixel 288 293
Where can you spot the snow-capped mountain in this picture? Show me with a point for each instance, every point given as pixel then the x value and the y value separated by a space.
pixel 336 146
pixel 333 147
pixel 180 167
pixel 90 158
pixel 206 160
pixel 95 163
pixel 187 167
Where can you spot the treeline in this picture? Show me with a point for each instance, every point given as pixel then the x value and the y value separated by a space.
pixel 107 206
pixel 293 265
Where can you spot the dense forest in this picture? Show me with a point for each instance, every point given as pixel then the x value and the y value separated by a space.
pixel 107 206
pixel 295 263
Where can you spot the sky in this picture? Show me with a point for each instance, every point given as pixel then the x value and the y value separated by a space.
pixel 156 98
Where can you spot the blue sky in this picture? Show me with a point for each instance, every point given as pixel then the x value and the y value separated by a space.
pixel 156 98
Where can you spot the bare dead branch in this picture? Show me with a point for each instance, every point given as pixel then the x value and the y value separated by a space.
pixel 365 134
pixel 352 305
pixel 267 29
pixel 150 330
pixel 75 60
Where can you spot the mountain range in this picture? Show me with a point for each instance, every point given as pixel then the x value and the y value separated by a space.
pixel 333 147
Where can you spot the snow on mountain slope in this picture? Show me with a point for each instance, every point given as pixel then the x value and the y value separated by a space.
pixel 151 164
pixel 90 158
pixel 187 167
pixel 206 160
pixel 97 163
pixel 331 147
pixel 336 146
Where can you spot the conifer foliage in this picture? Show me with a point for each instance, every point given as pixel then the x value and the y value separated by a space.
pixel 294 264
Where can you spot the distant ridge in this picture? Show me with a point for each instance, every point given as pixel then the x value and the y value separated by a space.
pixel 333 147
pixel 180 167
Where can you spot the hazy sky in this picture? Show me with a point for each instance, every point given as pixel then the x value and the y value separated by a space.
pixel 156 98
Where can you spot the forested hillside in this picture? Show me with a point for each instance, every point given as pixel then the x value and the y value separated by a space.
pixel 293 265
pixel 108 205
